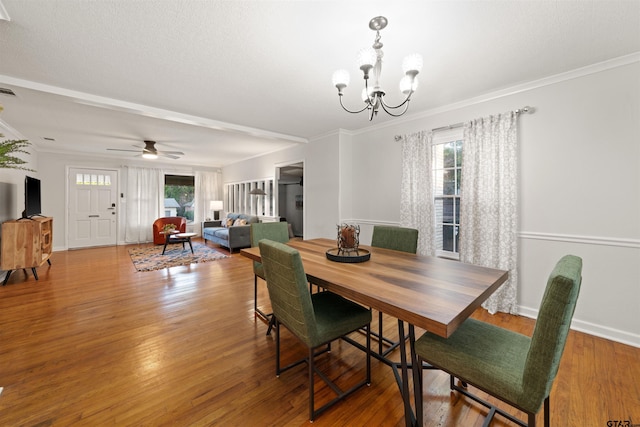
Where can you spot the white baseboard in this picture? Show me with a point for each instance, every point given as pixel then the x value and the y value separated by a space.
pixel 592 329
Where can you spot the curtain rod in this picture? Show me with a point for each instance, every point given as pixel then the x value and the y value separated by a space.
pixel 525 109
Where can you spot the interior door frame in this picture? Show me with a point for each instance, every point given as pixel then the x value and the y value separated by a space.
pixel 66 199
pixel 278 166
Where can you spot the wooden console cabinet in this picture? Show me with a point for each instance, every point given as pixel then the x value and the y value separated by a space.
pixel 26 243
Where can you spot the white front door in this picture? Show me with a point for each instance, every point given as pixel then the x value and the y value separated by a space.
pixel 92 211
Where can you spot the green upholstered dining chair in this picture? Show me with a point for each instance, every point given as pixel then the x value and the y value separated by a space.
pixel 276 231
pixel 315 319
pixel 507 365
pixel 399 239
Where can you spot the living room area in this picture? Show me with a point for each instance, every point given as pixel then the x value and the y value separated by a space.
pixel 96 341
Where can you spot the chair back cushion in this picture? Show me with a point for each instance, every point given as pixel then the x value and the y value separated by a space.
pixel 288 289
pixel 276 231
pixel 396 238
pixel 551 330
pixel 158 224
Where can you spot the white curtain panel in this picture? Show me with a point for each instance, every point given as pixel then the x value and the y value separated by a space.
pixel 416 199
pixel 206 190
pixel 145 203
pixel 489 202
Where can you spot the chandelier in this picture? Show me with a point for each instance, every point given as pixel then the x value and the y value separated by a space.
pixel 370 62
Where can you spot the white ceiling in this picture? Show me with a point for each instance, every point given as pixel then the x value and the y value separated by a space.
pixel 223 81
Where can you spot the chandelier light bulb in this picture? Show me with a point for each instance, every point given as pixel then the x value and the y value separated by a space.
pixel 366 59
pixel 412 64
pixel 408 84
pixel 341 79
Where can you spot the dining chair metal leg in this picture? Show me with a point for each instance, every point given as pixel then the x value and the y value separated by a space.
pixel 406 398
pixel 268 317
pixel 416 370
pixel 546 412
pixel 311 385
pixel 380 333
pixel 277 325
pixel 417 387
pixel 369 355
pixel 532 420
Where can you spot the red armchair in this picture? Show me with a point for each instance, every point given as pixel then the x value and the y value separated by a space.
pixel 158 224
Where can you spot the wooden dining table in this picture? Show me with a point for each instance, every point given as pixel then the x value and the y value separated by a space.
pixel 430 293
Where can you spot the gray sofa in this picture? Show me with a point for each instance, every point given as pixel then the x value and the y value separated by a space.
pixel 232 237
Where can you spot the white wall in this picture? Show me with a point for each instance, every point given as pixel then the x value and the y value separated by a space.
pixel 579 187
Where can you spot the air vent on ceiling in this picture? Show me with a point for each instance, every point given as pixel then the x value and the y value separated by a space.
pixel 6 91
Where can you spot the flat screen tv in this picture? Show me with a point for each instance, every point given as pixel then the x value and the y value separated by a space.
pixel 32 205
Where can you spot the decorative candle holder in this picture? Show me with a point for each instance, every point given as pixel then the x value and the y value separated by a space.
pixel 348 246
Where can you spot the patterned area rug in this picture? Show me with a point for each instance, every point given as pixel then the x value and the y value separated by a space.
pixel 150 258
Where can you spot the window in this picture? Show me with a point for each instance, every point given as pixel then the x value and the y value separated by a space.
pixel 447 163
pixel 88 179
pixel 179 196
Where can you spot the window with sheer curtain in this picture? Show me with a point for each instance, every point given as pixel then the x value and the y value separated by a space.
pixel 447 177
pixel 206 190
pixel 459 189
pixel 416 191
pixel 489 203
pixel 144 203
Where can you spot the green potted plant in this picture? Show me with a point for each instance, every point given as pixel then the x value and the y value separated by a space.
pixel 167 228
pixel 7 150
pixel 10 147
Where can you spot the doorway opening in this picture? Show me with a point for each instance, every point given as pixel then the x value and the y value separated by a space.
pixel 291 196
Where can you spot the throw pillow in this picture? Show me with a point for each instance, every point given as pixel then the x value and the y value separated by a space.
pixel 240 221
pixel 229 222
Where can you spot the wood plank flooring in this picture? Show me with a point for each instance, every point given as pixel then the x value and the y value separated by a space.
pixel 94 342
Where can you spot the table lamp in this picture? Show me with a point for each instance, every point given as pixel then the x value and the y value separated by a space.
pixel 216 206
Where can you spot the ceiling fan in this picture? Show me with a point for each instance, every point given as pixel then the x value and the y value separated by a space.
pixel 150 152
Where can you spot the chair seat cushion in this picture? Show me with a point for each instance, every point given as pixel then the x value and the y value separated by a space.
pixel 336 316
pixel 484 355
pixel 221 233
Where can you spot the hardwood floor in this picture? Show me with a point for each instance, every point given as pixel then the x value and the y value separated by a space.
pixel 94 342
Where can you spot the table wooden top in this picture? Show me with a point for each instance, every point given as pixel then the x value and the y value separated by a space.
pixel 432 293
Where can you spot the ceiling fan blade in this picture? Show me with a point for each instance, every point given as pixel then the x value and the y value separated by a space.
pixel 170 156
pixel 118 149
pixel 175 153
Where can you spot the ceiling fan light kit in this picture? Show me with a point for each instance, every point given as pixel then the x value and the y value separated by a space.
pixel 151 152
pixel 370 62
